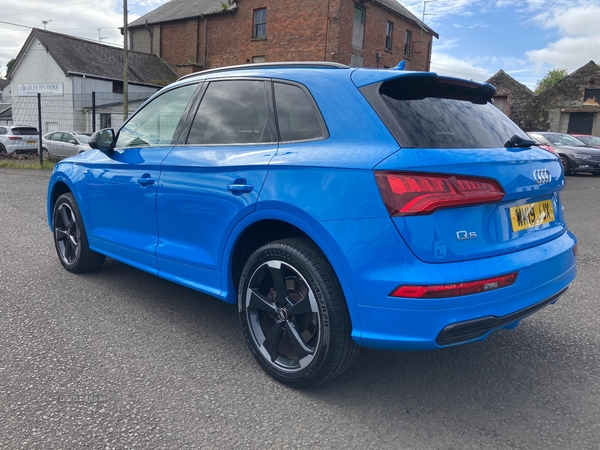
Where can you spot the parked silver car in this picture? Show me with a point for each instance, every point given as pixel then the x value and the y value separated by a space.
pixel 60 144
pixel 18 139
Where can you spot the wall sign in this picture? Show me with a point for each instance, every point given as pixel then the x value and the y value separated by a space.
pixel 31 90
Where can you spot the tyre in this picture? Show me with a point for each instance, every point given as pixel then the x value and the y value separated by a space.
pixel 565 163
pixel 3 152
pixel 70 238
pixel 293 314
pixel 45 154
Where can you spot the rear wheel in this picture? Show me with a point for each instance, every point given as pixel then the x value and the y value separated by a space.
pixel 70 238
pixel 293 314
pixel 565 163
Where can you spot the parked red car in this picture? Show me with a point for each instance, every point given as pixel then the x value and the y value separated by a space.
pixel 588 140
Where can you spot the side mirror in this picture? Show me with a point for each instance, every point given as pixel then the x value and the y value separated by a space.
pixel 103 140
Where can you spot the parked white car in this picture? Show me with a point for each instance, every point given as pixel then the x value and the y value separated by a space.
pixel 60 144
pixel 18 139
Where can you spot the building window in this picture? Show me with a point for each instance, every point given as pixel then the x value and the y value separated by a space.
pixel 407 44
pixel 389 31
pixel 258 59
pixel 117 87
pixel 260 23
pixel 105 121
pixel 358 28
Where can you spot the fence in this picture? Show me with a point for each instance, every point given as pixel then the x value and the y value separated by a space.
pixel 83 113
pixel 73 112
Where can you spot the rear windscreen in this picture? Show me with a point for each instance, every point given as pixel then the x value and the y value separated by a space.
pixel 24 131
pixel 434 113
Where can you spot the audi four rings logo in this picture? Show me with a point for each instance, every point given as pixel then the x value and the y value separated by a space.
pixel 542 176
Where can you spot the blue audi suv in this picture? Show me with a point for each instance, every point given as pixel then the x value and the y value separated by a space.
pixel 338 207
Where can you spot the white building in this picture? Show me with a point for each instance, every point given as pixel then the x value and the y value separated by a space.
pixel 69 72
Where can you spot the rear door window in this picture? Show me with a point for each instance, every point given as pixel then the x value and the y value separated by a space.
pixel 232 112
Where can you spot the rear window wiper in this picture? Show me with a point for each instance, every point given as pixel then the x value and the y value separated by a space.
pixel 518 141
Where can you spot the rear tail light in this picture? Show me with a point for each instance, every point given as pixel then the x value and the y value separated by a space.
pixel 454 289
pixel 15 138
pixel 406 194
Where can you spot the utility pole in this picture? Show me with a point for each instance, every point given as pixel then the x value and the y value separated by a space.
pixel 125 63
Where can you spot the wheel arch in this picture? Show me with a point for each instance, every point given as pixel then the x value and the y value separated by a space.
pixel 59 188
pixel 265 226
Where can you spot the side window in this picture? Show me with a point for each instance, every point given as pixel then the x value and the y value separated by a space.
pixel 155 124
pixel 232 112
pixel 297 116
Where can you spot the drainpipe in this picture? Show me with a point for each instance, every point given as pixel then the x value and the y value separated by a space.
pixel 326 31
pixel 205 43
pixel 151 37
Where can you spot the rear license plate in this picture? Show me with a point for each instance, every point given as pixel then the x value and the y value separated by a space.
pixel 31 141
pixel 531 215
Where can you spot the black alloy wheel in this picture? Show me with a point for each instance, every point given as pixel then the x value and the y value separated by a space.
pixel 70 238
pixel 294 315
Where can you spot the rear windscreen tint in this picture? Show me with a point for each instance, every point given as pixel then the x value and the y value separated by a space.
pixel 24 131
pixel 434 113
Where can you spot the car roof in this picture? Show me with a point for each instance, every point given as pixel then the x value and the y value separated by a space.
pixel 295 70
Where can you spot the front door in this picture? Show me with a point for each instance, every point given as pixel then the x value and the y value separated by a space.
pixel 122 185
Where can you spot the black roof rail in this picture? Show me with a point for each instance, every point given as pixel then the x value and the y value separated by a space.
pixel 306 64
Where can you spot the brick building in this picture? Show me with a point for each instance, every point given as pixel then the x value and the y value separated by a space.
pixel 193 35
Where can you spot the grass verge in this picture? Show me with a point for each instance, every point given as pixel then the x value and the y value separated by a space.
pixel 26 164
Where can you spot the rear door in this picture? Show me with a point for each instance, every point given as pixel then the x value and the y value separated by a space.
pixel 213 178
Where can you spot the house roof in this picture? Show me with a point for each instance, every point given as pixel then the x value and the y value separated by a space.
pixel 402 11
pixel 502 76
pixel 76 56
pixel 184 9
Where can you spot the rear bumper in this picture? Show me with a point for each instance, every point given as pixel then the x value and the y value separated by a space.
pixel 381 264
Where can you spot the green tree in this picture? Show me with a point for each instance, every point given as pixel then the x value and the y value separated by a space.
pixel 551 78
pixel 9 65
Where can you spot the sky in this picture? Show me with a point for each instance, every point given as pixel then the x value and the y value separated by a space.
pixel 525 38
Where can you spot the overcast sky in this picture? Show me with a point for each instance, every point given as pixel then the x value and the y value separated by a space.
pixel 525 38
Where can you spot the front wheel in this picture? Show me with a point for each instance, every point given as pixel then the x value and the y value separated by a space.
pixel 293 314
pixel 70 238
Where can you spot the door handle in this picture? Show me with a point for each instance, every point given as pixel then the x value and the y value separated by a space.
pixel 146 181
pixel 240 187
